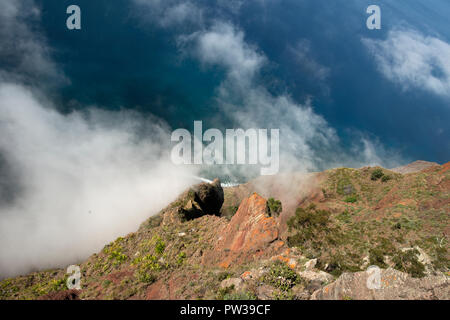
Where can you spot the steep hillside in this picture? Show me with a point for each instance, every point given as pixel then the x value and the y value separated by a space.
pixel 296 236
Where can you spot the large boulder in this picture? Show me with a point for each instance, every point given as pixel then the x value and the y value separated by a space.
pixel 393 285
pixel 210 197
pixel 202 199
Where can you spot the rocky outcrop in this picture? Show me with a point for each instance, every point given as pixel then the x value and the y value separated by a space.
pixel 236 283
pixel 393 285
pixel 249 229
pixel 210 197
pixel 249 234
pixel 202 199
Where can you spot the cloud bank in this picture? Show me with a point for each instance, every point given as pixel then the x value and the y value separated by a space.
pixel 85 178
pixel 413 60
pixel 24 53
pixel 69 183
pixel 307 141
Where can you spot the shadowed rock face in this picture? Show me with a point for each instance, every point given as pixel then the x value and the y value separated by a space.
pixel 203 199
pixel 210 197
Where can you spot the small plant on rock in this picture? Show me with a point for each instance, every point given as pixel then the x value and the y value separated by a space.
pixel 408 262
pixel 274 207
pixel 281 276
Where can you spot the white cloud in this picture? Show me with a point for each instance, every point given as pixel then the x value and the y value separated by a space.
pixel 307 142
pixel 304 58
pixel 171 13
pixel 69 183
pixel 223 45
pixel 413 60
pixel 85 179
pixel 181 13
pixel 24 52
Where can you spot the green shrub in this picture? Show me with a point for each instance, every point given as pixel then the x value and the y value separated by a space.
pixel 147 277
pixel 407 261
pixel 337 264
pixel 376 257
pixel 106 283
pixel 224 292
pixel 147 266
pixel 283 295
pixel 376 174
pixel 115 252
pixel 308 218
pixel 224 275
pixel 386 178
pixel 281 276
pixel 441 261
pixel 180 258
pixel 233 210
pixel 160 246
pixel 438 247
pixel 351 199
pixel 344 216
pixel 274 207
pixel 313 229
pixel 59 284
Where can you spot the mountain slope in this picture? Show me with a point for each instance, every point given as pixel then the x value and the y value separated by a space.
pixel 334 222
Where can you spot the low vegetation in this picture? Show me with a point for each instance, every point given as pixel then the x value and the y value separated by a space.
pixel 274 207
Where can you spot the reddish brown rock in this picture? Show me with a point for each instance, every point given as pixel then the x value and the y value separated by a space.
pixel 249 229
pixel 445 167
pixel 72 294
pixel 157 291
pixel 250 234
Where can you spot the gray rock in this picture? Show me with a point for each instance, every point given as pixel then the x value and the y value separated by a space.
pixel 300 292
pixel 394 285
pixel 237 283
pixel 310 265
pixel 314 286
pixel 265 292
pixel 321 276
